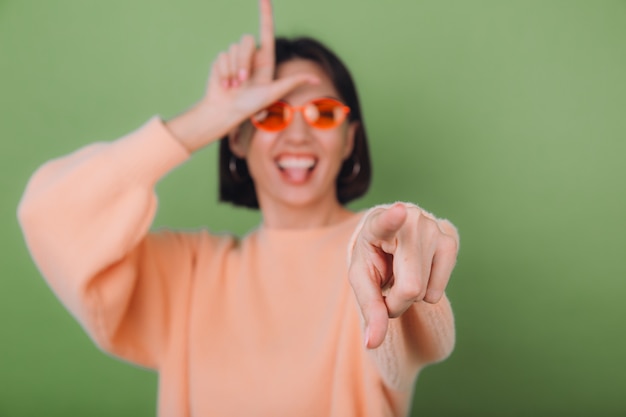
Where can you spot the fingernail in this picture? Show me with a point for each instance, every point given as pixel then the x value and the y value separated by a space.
pixel 367 336
pixel 234 82
pixel 243 74
pixel 225 84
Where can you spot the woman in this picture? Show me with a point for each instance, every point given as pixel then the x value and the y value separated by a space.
pixel 269 324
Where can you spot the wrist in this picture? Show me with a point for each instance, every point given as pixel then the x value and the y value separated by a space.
pixel 197 127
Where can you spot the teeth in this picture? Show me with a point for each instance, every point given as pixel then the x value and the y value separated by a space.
pixel 302 162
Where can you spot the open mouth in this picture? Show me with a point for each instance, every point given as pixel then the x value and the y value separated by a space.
pixel 296 168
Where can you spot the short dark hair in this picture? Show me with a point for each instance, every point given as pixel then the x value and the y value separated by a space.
pixel 355 175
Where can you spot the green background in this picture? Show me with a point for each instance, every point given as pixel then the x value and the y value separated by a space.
pixel 507 117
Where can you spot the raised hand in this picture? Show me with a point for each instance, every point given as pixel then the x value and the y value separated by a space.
pixel 240 84
pixel 401 256
pixel 244 60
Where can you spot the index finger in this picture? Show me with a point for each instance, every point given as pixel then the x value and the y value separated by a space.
pixel 267 30
pixel 372 304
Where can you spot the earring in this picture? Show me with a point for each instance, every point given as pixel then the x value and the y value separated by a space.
pixel 356 170
pixel 232 167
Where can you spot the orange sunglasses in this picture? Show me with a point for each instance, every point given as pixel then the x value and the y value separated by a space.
pixel 321 113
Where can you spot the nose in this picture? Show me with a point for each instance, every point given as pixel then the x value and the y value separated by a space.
pixel 298 131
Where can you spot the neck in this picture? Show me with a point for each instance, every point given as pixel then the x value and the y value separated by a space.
pixel 296 217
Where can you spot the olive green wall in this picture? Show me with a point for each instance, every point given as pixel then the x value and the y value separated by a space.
pixel 505 116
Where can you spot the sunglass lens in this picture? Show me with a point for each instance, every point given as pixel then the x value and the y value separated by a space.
pixel 325 113
pixel 271 118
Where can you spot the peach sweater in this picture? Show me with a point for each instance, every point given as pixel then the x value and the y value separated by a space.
pixel 262 326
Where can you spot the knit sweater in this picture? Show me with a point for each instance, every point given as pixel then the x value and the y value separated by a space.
pixel 266 325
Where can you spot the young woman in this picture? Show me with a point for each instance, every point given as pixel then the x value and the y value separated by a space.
pixel 279 322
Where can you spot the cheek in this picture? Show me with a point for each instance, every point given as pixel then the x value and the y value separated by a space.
pixel 339 145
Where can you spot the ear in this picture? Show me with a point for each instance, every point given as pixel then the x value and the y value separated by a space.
pixel 238 141
pixel 350 138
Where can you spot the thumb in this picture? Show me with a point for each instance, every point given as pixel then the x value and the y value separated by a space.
pixel 282 86
pixel 385 223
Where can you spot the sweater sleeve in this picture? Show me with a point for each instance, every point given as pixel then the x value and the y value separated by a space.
pixel 85 218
